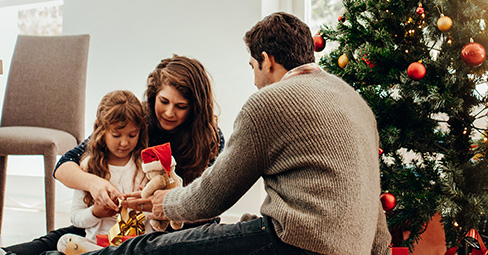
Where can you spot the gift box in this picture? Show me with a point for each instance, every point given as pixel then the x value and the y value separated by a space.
pixel 399 251
pixel 102 240
pixel 129 224
pixel 473 239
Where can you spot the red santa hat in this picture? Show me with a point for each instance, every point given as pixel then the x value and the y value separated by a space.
pixel 157 158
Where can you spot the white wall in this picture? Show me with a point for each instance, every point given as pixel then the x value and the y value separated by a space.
pixel 128 39
pixel 299 8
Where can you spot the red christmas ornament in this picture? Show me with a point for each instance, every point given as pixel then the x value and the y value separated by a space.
pixel 420 10
pixel 341 18
pixel 473 54
pixel 416 71
pixel 380 151
pixel 388 201
pixel 319 42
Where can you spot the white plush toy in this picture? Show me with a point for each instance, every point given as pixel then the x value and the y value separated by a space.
pixel 159 167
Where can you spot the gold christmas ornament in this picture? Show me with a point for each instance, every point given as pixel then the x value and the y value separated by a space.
pixel 343 60
pixel 444 23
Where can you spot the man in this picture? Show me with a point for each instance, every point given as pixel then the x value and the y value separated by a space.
pixel 313 140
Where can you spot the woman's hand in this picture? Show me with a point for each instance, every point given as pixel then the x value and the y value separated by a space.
pixel 100 211
pixel 157 205
pixel 104 193
pixel 136 202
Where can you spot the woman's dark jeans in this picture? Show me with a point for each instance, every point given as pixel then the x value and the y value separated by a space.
pixel 44 243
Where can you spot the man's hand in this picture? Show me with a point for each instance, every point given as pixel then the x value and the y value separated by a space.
pixel 100 211
pixel 157 205
pixel 105 193
pixel 135 202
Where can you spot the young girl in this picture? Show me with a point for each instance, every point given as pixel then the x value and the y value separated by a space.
pixel 113 152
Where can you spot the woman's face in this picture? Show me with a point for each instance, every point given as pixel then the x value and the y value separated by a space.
pixel 171 108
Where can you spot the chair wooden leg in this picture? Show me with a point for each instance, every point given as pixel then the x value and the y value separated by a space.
pixel 3 178
pixel 50 190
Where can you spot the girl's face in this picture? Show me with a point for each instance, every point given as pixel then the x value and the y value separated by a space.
pixel 121 142
pixel 171 108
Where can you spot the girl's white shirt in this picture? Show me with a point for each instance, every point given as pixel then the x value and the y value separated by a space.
pixel 82 216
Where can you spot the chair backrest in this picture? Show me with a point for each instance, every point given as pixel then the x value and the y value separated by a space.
pixel 46 83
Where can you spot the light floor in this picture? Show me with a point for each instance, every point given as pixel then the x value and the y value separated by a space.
pixel 24 214
pixel 22 225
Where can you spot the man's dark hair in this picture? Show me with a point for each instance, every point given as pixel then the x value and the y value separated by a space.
pixel 283 36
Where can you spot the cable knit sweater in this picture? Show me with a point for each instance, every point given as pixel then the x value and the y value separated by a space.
pixel 314 141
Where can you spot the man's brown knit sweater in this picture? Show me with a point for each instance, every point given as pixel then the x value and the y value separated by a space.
pixel 313 140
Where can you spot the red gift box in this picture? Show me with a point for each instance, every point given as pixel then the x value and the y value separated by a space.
pixel 399 251
pixel 102 240
pixel 473 233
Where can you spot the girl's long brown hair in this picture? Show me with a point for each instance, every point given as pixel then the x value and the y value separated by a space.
pixel 116 110
pixel 196 141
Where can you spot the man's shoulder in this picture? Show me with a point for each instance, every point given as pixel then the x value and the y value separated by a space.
pixel 297 88
pixel 300 84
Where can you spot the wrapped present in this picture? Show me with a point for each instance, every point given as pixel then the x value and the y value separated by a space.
pixel 129 224
pixel 478 245
pixel 102 240
pixel 399 251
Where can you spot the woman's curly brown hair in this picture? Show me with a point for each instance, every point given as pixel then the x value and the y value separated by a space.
pixel 195 142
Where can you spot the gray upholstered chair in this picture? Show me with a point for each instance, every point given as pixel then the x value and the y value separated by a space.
pixel 44 106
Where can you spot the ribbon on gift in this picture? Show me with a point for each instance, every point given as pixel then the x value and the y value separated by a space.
pixel 481 250
pixel 128 223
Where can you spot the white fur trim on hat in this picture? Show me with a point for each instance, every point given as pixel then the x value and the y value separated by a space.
pixel 152 166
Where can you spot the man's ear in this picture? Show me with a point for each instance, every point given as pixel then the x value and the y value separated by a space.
pixel 267 61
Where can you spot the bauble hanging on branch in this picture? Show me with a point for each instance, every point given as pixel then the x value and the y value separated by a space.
pixel 420 10
pixel 342 61
pixel 444 23
pixel 473 54
pixel 319 42
pixel 388 201
pixel 416 71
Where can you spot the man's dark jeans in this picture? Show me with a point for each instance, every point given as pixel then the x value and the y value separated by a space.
pixel 251 237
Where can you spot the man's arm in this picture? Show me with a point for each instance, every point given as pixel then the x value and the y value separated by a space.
pixel 234 172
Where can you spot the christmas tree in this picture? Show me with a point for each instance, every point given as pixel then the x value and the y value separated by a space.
pixel 421 67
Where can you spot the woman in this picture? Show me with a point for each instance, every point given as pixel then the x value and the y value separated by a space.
pixel 179 107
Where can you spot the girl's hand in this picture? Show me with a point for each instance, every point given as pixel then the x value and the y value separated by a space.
pixel 105 193
pixel 136 202
pixel 100 211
